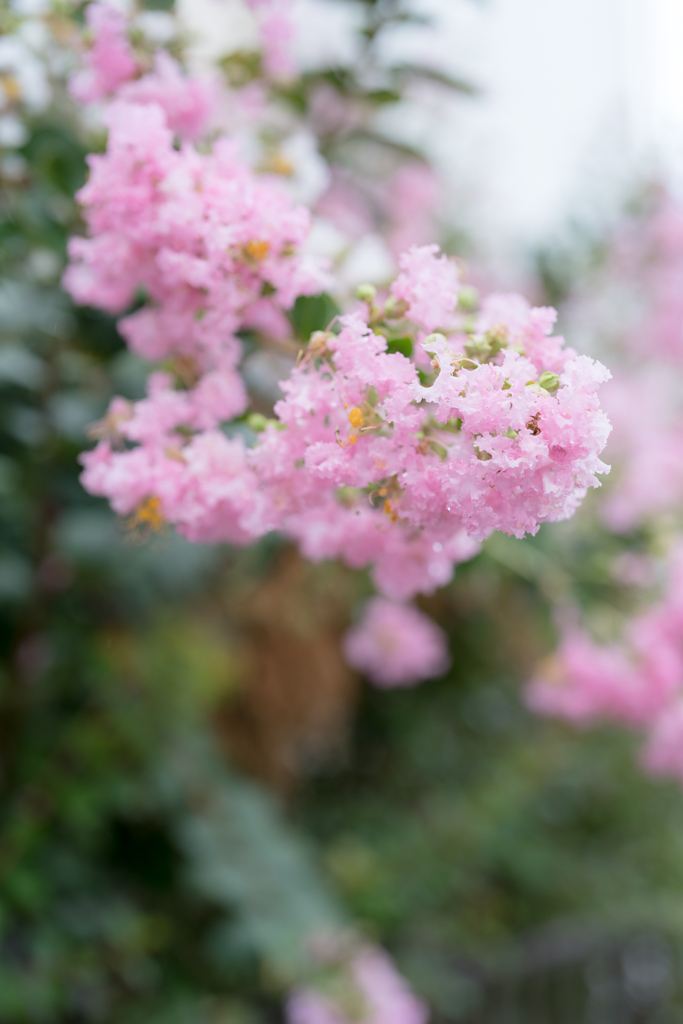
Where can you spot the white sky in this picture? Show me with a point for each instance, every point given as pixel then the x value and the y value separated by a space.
pixel 578 95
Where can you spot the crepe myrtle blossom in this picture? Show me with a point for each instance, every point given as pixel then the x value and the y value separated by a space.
pixel 113 71
pixel 646 261
pixel 373 463
pixel 187 100
pixel 391 449
pixel 412 199
pixel 372 992
pixel 109 61
pixel 645 449
pixel 428 284
pixel 200 233
pixel 396 645
pixel 276 31
pixel 637 681
pixel 368 459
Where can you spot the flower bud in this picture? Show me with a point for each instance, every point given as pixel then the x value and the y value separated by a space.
pixel 549 381
pixel 478 347
pixel 366 292
pixel 395 308
pixel 468 299
pixel 257 422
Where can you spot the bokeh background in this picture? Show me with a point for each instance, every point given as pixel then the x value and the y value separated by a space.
pixel 191 778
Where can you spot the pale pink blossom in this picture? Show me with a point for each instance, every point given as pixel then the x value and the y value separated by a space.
pixel 277 31
pixel 374 994
pixel 109 62
pixel 187 101
pixel 663 752
pixel 637 681
pixel 412 199
pixel 526 327
pixel 646 447
pixel 376 468
pixel 429 284
pixel 396 645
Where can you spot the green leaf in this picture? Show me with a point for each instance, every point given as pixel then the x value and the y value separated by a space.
pixel 382 97
pixel 402 345
pixel 439 77
pixel 312 313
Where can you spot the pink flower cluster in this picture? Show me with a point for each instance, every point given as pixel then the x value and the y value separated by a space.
pixel 187 101
pixel 647 256
pixel 374 994
pixel 638 681
pixel 112 69
pixel 637 309
pixel 397 463
pixel 378 468
pixel 109 62
pixel 646 447
pixel 276 31
pixel 204 238
pixel 367 461
pixel 396 645
pixel 201 234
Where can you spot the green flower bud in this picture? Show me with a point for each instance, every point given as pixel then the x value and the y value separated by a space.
pixel 366 292
pixel 468 299
pixel 549 381
pixel 395 308
pixel 257 422
pixel 478 347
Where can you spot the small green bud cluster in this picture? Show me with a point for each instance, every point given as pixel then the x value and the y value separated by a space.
pixel 549 381
pixel 484 347
pixel 468 299
pixel 366 293
pixel 257 422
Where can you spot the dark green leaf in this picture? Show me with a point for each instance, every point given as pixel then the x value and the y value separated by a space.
pixel 312 313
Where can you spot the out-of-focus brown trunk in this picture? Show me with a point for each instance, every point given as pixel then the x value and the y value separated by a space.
pixel 297 696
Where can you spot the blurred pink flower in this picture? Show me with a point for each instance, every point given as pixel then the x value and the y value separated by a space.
pixel 429 284
pixel 109 62
pixel 411 200
pixel 187 101
pixel 637 681
pixel 396 645
pixel 375 993
pixel 663 752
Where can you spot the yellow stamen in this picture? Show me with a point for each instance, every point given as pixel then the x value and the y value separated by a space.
pixel 11 87
pixel 279 164
pixel 356 417
pixel 148 514
pixel 257 250
pixel 390 510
